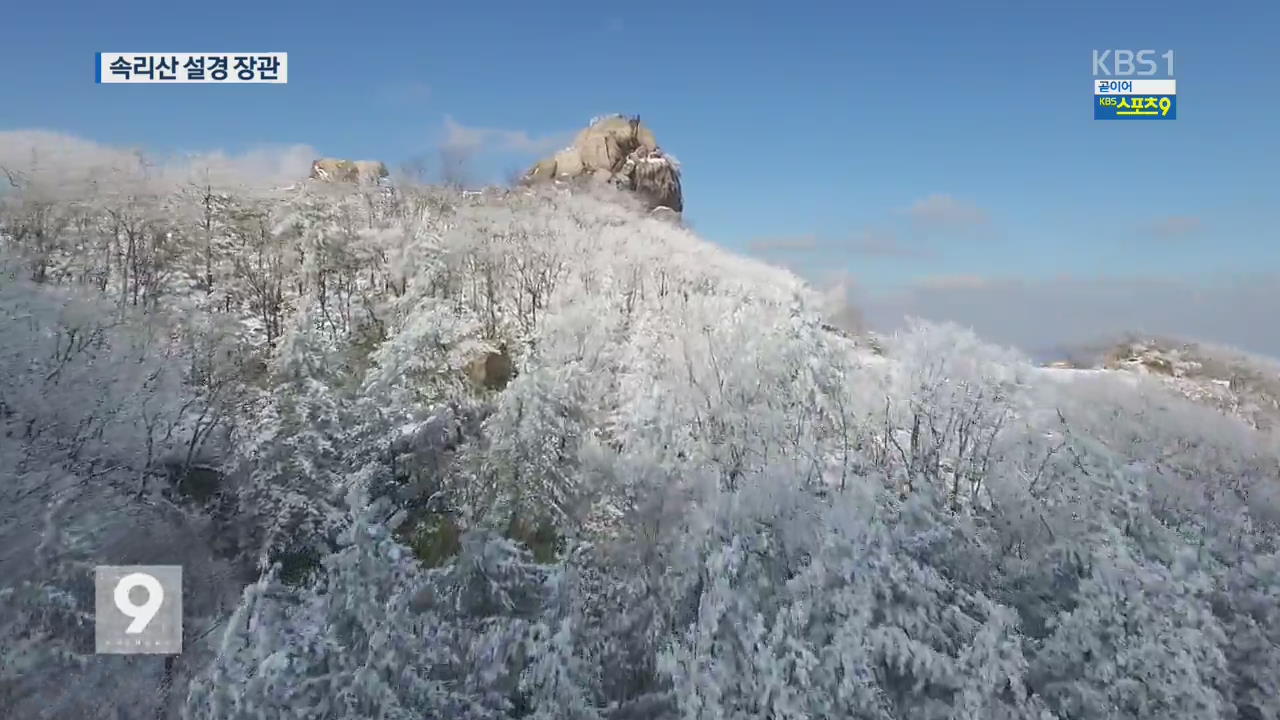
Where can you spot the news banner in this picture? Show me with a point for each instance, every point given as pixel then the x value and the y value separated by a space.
pixel 271 67
pixel 1124 87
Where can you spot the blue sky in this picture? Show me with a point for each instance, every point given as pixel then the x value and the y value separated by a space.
pixel 926 149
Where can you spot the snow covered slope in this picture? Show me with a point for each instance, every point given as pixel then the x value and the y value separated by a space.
pixel 691 498
pixel 1233 382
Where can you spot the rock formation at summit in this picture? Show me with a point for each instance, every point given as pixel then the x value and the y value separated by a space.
pixel 621 151
pixel 349 171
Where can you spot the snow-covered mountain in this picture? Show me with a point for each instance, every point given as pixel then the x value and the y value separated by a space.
pixel 1236 383
pixel 686 494
pixel 622 152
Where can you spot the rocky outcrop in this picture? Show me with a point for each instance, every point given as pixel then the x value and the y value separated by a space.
pixel 620 151
pixel 361 172
pixel 491 371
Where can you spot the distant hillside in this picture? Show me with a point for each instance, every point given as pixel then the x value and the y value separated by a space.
pixel 1246 386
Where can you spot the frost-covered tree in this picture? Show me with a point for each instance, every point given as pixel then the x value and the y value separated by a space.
pixel 377 637
pixel 688 496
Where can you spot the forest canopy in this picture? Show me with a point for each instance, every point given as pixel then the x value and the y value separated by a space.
pixel 530 453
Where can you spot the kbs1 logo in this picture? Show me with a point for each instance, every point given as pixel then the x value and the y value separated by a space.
pixel 1129 85
pixel 137 609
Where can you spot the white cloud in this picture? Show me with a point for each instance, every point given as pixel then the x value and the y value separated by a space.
pixel 944 211
pixel 882 243
pixel 1064 311
pixel 57 159
pixel 61 158
pixel 866 243
pixel 1174 227
pixel 466 139
pixel 953 282
pixel 406 93
pixel 783 244
pixel 273 165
